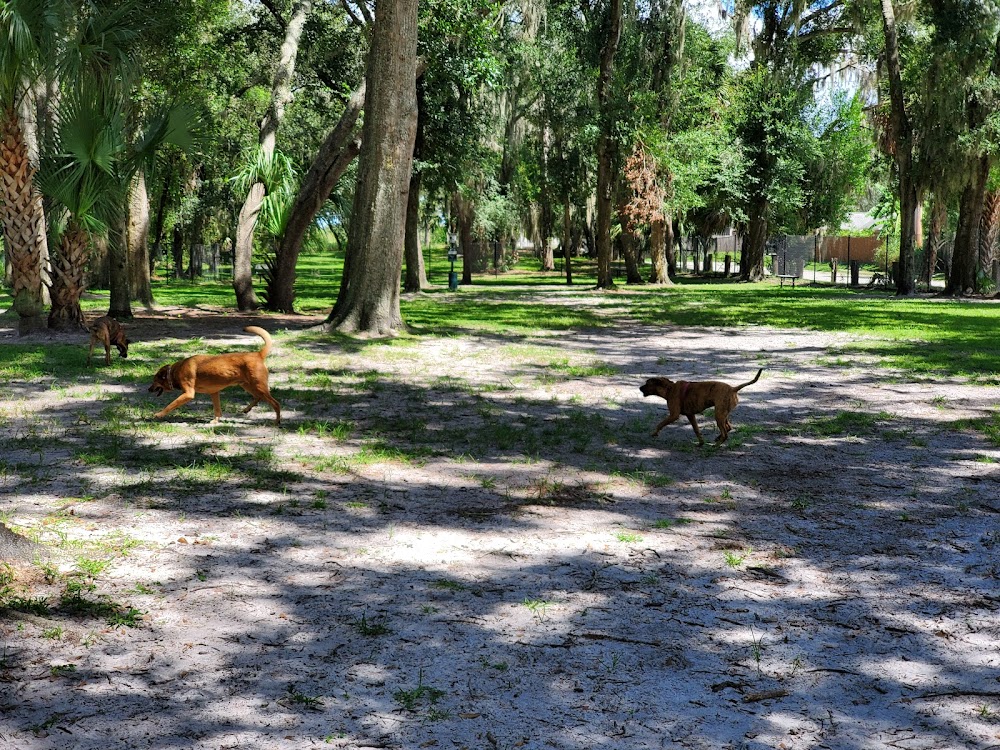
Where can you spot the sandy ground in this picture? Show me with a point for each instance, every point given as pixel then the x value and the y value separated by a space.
pixel 798 588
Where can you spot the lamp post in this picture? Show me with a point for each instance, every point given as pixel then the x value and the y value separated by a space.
pixel 452 257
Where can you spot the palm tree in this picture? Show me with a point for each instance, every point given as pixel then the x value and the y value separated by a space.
pixel 83 173
pixel 91 159
pixel 23 30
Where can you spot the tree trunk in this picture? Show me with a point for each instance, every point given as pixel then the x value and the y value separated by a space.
pixel 161 215
pixel 964 259
pixel 23 221
pixel 628 240
pixel 177 249
pixel 466 247
pixel 378 222
pixel 69 279
pixel 902 137
pixel 660 234
pixel 120 307
pixel 756 242
pixel 332 160
pixel 138 242
pixel 939 218
pixel 989 231
pixel 567 241
pixel 671 244
pixel 605 172
pixel 281 95
pixel 416 275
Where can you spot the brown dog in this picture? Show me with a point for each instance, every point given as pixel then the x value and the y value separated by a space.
pixel 206 373
pixel 693 397
pixel 108 331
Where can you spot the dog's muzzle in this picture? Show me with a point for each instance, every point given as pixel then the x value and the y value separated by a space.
pixel 157 389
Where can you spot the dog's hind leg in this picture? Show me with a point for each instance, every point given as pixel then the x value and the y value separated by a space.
pixel 693 419
pixel 262 394
pixel 216 406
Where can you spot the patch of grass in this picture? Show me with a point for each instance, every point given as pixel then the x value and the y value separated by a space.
pixel 372 628
pixel 36 605
pixel 296 697
pixel 538 607
pixel 854 423
pixel 444 583
pixel 628 537
pixel 734 559
pixel 411 700
pixel 669 523
pixel 129 618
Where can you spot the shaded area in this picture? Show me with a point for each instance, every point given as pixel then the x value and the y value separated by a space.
pixel 505 556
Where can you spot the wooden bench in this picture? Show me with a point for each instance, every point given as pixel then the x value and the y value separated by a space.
pixel 783 277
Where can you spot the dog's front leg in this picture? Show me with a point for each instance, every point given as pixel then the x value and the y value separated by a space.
pixel 669 419
pixel 179 401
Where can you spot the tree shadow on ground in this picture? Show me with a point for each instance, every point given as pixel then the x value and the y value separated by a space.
pixel 500 568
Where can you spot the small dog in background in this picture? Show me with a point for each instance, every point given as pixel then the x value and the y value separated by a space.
pixel 207 373
pixel 108 331
pixel 691 398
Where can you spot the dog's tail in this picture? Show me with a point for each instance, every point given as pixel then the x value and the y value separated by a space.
pixel 264 335
pixel 750 382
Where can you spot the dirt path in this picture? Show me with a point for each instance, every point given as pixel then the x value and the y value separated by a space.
pixel 473 543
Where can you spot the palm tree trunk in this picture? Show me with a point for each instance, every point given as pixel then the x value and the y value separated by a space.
pixel 120 307
pixel 23 220
pixel 138 242
pixel 69 279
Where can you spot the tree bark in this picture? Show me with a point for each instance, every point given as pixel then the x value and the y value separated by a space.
pixel 628 240
pixel 120 306
pixel 756 241
pixel 465 213
pixel 177 249
pixel 281 95
pixel 962 279
pixel 661 232
pixel 138 242
pixel 964 260
pixel 567 241
pixel 23 220
pixel 69 279
pixel 334 157
pixel 161 214
pixel 902 136
pixel 370 303
pixel 605 173
pixel 416 274
pixel 939 218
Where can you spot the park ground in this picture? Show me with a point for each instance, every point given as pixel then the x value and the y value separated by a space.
pixel 465 537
